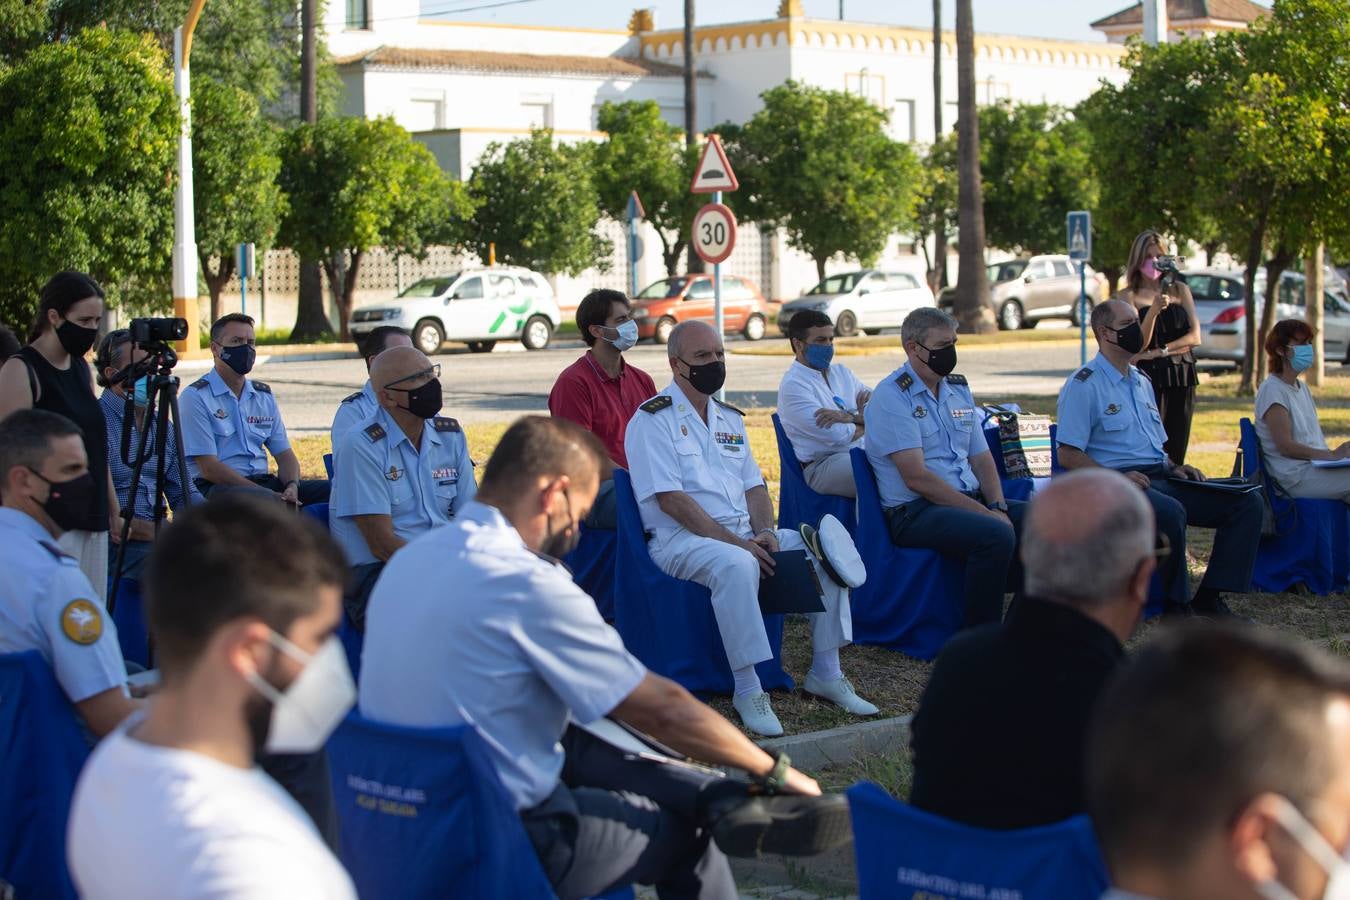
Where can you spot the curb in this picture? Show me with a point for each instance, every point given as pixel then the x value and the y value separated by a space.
pixel 838 746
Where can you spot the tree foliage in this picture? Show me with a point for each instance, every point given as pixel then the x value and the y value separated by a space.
pixel 354 184
pixel 644 153
pixel 537 203
pixel 936 200
pixel 819 165
pixel 87 161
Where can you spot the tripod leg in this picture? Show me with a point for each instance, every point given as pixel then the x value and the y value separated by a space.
pixel 143 440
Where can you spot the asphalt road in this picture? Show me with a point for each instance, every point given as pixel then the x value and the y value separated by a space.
pixel 508 382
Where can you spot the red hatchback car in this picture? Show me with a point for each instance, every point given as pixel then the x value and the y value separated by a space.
pixel 664 304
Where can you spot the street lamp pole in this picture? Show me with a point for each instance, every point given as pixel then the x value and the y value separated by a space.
pixel 184 217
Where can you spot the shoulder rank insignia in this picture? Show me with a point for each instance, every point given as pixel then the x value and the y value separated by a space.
pixel 262 387
pixel 957 380
pixel 375 432
pixel 445 423
pixel 201 384
pixel 905 381
pixel 730 407
pixel 1083 374
pixel 657 403
pixel 57 553
pixel 352 397
pixel 82 622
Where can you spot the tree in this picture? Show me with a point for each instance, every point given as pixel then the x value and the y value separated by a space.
pixel 353 184
pixel 936 201
pixel 536 202
pixel 642 152
pixel 87 162
pixel 234 179
pixel 974 309
pixel 820 165
pixel 937 215
pixel 1035 166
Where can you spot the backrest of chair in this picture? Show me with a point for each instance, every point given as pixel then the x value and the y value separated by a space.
pixel 1054 449
pixel 1250 445
pixel 787 454
pixel 903 851
pixel 42 749
pixel 328 465
pixel 995 442
pixel 870 518
pixel 423 814
pixel 318 512
pixel 129 616
pixel 629 521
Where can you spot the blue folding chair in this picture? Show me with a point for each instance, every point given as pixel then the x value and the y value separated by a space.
pixel 129 616
pixel 797 502
pixel 1014 488
pixel 1313 541
pixel 422 814
pixel 904 852
pixel 912 599
pixel 42 749
pixel 668 623
pixel 592 567
pixel 318 512
pixel 328 465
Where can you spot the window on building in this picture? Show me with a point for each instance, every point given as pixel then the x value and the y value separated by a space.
pixel 426 113
pixel 358 15
pixel 865 84
pixel 538 113
pixel 904 126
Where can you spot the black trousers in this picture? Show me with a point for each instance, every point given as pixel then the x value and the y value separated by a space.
pixel 1176 405
pixel 615 820
pixel 311 490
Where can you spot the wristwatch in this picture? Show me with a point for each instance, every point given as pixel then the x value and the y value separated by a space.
pixel 1000 505
pixel 776 778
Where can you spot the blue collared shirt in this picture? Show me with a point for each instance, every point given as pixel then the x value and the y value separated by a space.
pixel 352 410
pixel 114 411
pixel 1111 417
pixel 904 415
pixel 380 473
pixel 233 429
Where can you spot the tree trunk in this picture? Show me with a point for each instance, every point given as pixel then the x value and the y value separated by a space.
pixel 1112 276
pixel 973 308
pixel 694 262
pixel 1314 298
pixel 939 261
pixel 349 294
pixel 215 282
pixel 671 251
pixel 820 267
pixel 310 319
pixel 1255 239
pixel 1279 261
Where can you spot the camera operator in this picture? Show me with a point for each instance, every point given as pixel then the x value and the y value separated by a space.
pixel 1171 328
pixel 115 354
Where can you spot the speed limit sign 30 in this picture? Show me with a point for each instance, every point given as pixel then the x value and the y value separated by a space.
pixel 714 233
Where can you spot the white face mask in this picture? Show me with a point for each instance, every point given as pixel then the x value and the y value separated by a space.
pixel 307 712
pixel 1315 845
pixel 628 336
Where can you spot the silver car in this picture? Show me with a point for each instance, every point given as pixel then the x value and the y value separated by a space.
pixel 867 300
pixel 1024 291
pixel 1218 295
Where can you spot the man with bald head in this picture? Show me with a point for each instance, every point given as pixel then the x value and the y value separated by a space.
pixel 998 740
pixel 401 471
pixel 1108 417
pixel 703 500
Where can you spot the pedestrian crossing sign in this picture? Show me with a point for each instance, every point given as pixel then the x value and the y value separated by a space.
pixel 1080 235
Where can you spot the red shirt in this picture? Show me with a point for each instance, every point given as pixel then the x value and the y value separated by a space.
pixel 602 405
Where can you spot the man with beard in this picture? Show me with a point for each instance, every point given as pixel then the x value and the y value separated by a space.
pixel 243 599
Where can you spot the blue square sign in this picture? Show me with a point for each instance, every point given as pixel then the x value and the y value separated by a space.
pixel 1080 235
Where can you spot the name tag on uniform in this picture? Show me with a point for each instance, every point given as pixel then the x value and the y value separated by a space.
pixel 445 476
pixel 729 441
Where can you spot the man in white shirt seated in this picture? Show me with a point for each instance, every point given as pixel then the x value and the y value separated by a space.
pixel 820 403
pixel 243 598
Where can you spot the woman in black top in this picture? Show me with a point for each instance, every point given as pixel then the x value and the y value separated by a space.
pixel 51 373
pixel 1171 328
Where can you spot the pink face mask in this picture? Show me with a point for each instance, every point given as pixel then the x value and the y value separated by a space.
pixel 1149 269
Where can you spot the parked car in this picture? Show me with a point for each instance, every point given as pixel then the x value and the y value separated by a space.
pixel 477 306
pixel 1025 291
pixel 1219 294
pixel 867 300
pixel 664 304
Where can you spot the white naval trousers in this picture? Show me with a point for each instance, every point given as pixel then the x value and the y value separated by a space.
pixel 732 574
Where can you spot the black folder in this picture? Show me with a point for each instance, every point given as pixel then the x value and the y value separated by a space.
pixel 793 587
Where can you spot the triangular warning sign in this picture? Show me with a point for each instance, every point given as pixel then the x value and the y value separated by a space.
pixel 714 171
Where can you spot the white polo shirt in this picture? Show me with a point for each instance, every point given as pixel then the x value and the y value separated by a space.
pixel 804 390
pixel 467 624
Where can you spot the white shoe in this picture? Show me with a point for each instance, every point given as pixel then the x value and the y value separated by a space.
pixel 757 714
pixel 839 692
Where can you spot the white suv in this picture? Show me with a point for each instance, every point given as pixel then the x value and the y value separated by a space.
pixel 477 306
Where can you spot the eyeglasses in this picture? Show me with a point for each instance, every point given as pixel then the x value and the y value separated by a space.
pixel 424 375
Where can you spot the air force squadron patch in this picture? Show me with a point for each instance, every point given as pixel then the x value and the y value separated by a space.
pixel 82 622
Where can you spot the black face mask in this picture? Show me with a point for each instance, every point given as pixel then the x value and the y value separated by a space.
pixel 707 378
pixel 1130 338
pixel 76 339
pixel 69 502
pixel 425 400
pixel 560 543
pixel 942 361
pixel 240 358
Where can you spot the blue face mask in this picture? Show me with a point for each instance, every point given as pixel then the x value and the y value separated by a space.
pixel 141 390
pixel 818 356
pixel 1302 358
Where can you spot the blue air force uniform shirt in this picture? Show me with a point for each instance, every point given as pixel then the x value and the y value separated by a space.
pixel 904 415
pixel 232 429
pixel 380 473
pixel 354 409
pixel 48 605
pixel 1111 417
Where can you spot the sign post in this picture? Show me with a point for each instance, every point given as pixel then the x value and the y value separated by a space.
pixel 245 262
pixel 714 225
pixel 1080 251
pixel 635 212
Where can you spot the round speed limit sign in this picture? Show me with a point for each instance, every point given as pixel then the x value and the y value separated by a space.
pixel 714 233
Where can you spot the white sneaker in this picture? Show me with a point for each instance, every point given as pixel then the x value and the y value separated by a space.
pixel 757 714
pixel 839 692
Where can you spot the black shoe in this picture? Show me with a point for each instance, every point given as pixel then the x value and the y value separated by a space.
pixel 1178 611
pixel 1214 607
pixel 784 824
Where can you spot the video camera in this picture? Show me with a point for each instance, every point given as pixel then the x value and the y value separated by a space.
pixel 1169 270
pixel 158 331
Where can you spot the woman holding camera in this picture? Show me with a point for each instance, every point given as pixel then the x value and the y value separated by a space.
pixel 1171 328
pixel 51 373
